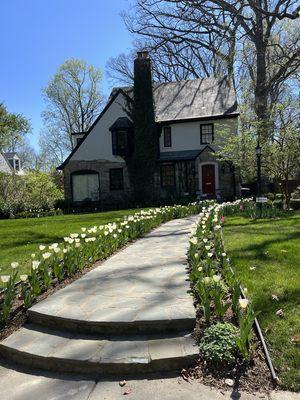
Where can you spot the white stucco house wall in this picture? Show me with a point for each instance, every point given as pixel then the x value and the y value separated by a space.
pixel 191 115
pixel 10 163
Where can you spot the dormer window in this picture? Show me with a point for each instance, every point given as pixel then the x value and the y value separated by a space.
pixel 122 137
pixel 167 136
pixel 120 145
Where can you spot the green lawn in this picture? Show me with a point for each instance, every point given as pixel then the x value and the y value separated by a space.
pixel 20 238
pixel 266 257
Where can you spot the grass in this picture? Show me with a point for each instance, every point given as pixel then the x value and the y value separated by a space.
pixel 266 257
pixel 20 238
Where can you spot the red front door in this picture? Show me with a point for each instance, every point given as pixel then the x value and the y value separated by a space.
pixel 208 179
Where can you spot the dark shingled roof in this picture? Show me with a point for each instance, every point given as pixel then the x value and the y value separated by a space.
pixel 182 155
pixel 10 155
pixel 121 123
pixel 192 99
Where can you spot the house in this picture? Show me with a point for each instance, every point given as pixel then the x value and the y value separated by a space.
pixel 10 163
pixel 190 114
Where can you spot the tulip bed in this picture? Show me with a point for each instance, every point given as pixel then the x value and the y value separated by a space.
pixel 216 289
pixel 55 263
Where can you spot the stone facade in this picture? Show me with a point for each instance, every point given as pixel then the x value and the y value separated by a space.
pixel 187 176
pixel 107 196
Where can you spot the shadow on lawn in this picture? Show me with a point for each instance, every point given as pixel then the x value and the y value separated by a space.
pixel 260 248
pixel 33 238
pixel 268 306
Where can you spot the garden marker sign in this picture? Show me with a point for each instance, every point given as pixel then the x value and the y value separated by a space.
pixel 261 200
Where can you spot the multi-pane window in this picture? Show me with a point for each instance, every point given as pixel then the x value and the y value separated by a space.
pixel 17 164
pixel 119 142
pixel 85 186
pixel 167 136
pixel 116 180
pixel 168 175
pixel 206 133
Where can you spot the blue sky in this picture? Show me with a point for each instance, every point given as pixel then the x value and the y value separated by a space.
pixel 37 36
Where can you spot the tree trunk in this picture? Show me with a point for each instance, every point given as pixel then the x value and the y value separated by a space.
pixel 261 87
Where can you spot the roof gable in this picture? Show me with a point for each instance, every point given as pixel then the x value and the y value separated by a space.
pixel 106 108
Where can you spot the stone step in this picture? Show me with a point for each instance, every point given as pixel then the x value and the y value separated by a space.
pixel 51 350
pixel 118 321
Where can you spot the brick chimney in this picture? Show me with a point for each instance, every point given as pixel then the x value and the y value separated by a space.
pixel 142 66
pixel 144 160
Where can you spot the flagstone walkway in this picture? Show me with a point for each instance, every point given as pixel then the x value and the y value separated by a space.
pixel 131 314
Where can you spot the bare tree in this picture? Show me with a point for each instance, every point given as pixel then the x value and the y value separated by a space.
pixel 245 33
pixel 54 147
pixel 73 99
pixel 170 62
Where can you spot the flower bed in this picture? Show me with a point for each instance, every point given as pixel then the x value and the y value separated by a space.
pixel 52 265
pixel 224 315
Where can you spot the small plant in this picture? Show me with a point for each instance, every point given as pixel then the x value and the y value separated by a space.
pixel 219 346
pixel 235 295
pixel 218 292
pixel 246 320
pixel 203 292
pixel 9 293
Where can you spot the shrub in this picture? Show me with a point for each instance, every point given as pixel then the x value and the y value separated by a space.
pixel 218 345
pixel 278 204
pixel 31 193
pixel 295 204
pixel 270 196
pixel 41 191
pixel 296 193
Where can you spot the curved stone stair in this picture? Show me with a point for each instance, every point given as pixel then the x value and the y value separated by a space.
pixel 93 355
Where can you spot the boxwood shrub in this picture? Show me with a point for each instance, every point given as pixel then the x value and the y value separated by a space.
pixel 218 345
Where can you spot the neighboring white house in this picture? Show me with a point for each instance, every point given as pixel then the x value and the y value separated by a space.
pixel 191 115
pixel 10 163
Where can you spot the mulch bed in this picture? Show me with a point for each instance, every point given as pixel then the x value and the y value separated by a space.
pixel 253 376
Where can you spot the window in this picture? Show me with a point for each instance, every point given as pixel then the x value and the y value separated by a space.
pixel 167 137
pixel 120 143
pixel 17 165
pixel 167 175
pixel 116 180
pixel 78 140
pixel 207 133
pixel 85 186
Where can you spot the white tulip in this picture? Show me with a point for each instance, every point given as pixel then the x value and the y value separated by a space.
pixel 35 264
pixel 46 255
pixel 243 303
pixel 216 278
pixel 23 278
pixel 5 278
